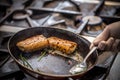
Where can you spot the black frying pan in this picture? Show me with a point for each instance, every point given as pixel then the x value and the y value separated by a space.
pixel 50 67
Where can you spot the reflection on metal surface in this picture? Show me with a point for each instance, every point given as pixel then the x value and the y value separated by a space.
pixel 7 28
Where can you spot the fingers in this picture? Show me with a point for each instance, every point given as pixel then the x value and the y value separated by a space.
pixel 102 45
pixel 116 45
pixel 102 37
pixel 106 45
pixel 109 43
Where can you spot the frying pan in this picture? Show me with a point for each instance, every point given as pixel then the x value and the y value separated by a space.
pixel 51 67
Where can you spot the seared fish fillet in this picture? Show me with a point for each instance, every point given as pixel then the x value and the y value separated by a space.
pixel 33 43
pixel 62 45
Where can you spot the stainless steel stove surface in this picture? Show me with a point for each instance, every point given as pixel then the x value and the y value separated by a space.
pixel 17 15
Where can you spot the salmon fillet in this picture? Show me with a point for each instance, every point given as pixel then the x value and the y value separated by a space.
pixel 65 46
pixel 33 43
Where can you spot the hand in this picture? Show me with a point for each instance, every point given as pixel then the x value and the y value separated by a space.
pixel 109 39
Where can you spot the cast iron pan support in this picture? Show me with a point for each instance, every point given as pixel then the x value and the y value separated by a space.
pixel 98 8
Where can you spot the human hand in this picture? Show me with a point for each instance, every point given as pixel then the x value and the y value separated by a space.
pixel 109 39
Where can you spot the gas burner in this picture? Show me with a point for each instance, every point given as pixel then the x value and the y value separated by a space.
pixel 65 5
pixel 27 18
pixel 95 25
pixel 93 20
pixel 21 15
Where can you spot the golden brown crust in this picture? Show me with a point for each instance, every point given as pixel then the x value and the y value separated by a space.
pixel 62 45
pixel 33 43
pixel 39 41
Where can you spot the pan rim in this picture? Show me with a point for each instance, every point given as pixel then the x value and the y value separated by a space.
pixel 48 74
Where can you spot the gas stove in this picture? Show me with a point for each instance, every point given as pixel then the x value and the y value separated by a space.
pixel 17 15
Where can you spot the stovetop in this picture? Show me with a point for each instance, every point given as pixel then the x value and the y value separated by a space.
pixel 17 15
